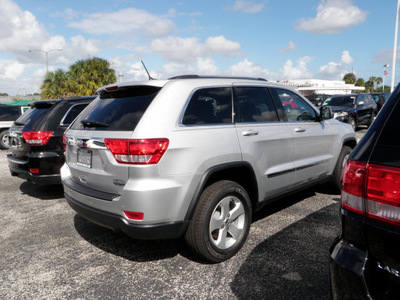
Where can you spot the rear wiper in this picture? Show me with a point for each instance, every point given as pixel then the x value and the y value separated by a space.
pixel 88 123
pixel 19 123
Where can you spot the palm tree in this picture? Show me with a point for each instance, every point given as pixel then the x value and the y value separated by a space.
pixel 90 74
pixel 55 85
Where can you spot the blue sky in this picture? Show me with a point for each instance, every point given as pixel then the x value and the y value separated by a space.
pixel 274 39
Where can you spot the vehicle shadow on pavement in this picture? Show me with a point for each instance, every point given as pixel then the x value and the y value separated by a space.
pixel 42 192
pixel 121 245
pixel 290 264
pixel 285 202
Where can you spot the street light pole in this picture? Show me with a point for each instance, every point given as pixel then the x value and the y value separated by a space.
pixel 395 47
pixel 47 55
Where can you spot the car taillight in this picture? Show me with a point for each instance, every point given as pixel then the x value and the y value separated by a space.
pixel 372 190
pixel 352 185
pixel 145 151
pixel 37 137
pixel 383 193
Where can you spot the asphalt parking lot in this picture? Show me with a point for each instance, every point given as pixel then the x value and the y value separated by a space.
pixel 49 252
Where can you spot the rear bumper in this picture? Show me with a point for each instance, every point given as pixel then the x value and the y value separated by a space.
pixel 47 162
pixel 347 267
pixel 117 223
pixel 36 179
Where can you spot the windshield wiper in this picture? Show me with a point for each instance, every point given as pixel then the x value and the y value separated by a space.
pixel 88 123
pixel 19 123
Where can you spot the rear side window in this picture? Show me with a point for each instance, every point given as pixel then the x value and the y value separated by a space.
pixel 254 104
pixel 387 149
pixel 209 106
pixel 72 113
pixel 119 110
pixel 9 113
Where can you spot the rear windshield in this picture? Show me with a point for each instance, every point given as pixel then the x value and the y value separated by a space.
pixel 31 117
pixel 119 110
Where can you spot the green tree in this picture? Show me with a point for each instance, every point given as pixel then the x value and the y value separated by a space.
pixel 360 82
pixel 83 78
pixel 88 75
pixel 55 85
pixel 349 78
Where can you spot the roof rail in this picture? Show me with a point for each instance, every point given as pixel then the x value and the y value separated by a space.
pixel 220 77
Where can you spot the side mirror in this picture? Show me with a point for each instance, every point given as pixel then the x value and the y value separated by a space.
pixel 326 113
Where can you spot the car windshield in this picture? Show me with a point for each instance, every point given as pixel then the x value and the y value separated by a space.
pixel 339 101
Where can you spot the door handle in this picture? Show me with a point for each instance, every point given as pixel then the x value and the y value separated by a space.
pixel 249 133
pixel 299 129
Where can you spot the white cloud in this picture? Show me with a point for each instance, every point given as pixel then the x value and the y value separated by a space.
pixel 250 69
pixel 246 7
pixel 20 32
pixel 290 47
pixel 10 69
pixel 125 21
pixel 336 70
pixel 178 49
pixel 333 16
pixel 299 71
pixel 346 59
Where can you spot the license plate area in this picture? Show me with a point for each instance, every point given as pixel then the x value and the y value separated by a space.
pixel 84 158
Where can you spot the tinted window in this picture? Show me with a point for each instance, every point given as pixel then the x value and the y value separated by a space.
pixel 387 150
pixel 347 101
pixel 296 108
pixel 72 113
pixel 120 110
pixel 31 117
pixel 254 104
pixel 209 106
pixel 9 113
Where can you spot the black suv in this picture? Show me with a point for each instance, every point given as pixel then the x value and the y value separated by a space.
pixel 355 109
pixel 36 139
pixel 365 258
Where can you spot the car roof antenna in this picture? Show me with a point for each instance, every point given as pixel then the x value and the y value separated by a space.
pixel 148 74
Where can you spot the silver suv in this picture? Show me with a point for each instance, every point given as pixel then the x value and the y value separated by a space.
pixel 196 156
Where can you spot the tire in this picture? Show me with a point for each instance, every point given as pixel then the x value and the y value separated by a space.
pixel 353 123
pixel 221 221
pixel 337 172
pixel 4 140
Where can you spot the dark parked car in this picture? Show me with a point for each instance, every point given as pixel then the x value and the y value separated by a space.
pixel 36 139
pixel 355 109
pixel 365 258
pixel 380 99
pixel 317 99
pixel 8 114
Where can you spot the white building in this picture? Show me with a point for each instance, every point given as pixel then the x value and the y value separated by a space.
pixel 318 86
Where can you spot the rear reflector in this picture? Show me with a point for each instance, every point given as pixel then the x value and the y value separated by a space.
pixel 37 137
pixel 134 215
pixel 145 151
pixel 34 170
pixel 372 190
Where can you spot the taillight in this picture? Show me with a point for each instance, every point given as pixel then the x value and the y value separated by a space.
pixel 145 151
pixel 383 193
pixel 37 137
pixel 372 190
pixel 353 176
